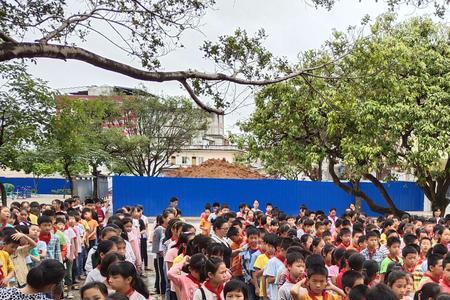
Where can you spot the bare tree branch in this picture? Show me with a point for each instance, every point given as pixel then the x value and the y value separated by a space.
pixel 7 38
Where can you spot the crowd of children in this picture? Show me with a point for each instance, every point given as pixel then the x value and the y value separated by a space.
pixel 251 254
pixel 47 251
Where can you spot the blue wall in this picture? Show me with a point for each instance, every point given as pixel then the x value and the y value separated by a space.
pixel 44 185
pixel 154 193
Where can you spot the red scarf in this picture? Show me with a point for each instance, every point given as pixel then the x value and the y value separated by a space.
pixel 396 259
pixel 409 270
pixel 293 280
pixel 45 237
pixel 217 292
pixel 129 292
pixel 446 283
pixel 281 258
pixel 371 254
pixel 194 280
pixel 431 277
pixel 313 296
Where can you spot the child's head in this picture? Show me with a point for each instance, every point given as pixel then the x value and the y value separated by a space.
pixel 86 213
pixel 397 282
pixel 295 264
pixel 270 241
pixel 381 291
pixel 356 261
pixel 350 279
pixel 252 234
pixel 123 275
pixel 235 290
pixel 195 266
pixel 393 244
pixel 45 223
pixel 46 275
pixel 233 234
pixel 446 269
pixel 327 253
pixel 370 270
pixel 345 235
pixel 34 231
pixel 60 224
pixel 317 278
pixel 215 270
pixel 435 264
pixel 127 224
pixel 372 239
pixel 425 245
pixel 410 256
pixel 358 292
pixel 355 236
pixel 429 291
pixel 94 291
pixel 327 237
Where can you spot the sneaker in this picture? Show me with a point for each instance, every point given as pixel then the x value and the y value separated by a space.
pixel 75 287
pixel 70 295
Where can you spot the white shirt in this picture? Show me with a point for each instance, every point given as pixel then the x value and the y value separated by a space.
pixel 94 275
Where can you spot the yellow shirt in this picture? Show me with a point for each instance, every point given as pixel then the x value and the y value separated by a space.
pixel 330 296
pixel 178 260
pixel 7 264
pixel 260 263
pixel 33 219
pixel 20 265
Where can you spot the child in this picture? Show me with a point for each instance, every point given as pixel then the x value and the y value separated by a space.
pixel 344 238
pixel 350 279
pixel 19 256
pixel 236 259
pixel 124 279
pixel 397 282
pixel 269 245
pixel 370 272
pixel 91 235
pixel 445 281
pixel 205 224
pixel 355 236
pixel 53 247
pixel 316 286
pixel 248 259
pixel 10 245
pixel 429 291
pixel 372 251
pixel 94 290
pixel 188 284
pixel 393 245
pixel 274 268
pixel 410 257
pixel 235 290
pixel 296 267
pixel 216 275
pixel 425 246
pixel 434 271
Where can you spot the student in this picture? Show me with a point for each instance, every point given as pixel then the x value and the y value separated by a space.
pixel 358 292
pixel 133 238
pixel 103 249
pixel 269 246
pixel 316 286
pixel 444 283
pixel 393 245
pixel 41 280
pixel 10 245
pixel 381 291
pixel 434 271
pixel 107 233
pixel 205 224
pixel 370 273
pixel 425 246
pixel 94 291
pixel 296 268
pixel 236 247
pixel 20 255
pixel 351 279
pixel 53 247
pixel 235 290
pixel 216 275
pixel 124 279
pixel 397 282
pixel 410 265
pixel 188 284
pixel 248 258
pixel 344 238
pixel 91 235
pixel 274 267
pixel 355 237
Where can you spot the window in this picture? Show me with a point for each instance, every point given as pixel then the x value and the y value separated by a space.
pixel 194 160
pixel 184 160
pixel 173 160
pixel 200 160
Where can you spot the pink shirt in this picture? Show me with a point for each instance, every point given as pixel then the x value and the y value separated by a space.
pixel 185 286
pixel 134 242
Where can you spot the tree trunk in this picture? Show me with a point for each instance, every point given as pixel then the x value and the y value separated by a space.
pixel 94 181
pixel 3 192
pixel 69 177
pixel 357 198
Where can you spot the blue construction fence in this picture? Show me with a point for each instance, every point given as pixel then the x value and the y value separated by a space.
pixel 154 194
pixel 43 185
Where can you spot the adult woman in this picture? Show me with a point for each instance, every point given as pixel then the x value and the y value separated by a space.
pixel 41 280
pixel 220 229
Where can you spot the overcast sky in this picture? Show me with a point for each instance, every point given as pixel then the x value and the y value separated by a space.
pixel 292 26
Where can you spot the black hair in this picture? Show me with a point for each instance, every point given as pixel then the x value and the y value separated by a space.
pixel 251 230
pixel 370 269
pixel 198 244
pixel 356 261
pixel 108 260
pixel 394 276
pixel 182 242
pixel 94 285
pixel 349 278
pixel 381 291
pixel 235 285
pixel 304 238
pixel 197 263
pixel 409 239
pixel 293 257
pixel 372 233
pixel 433 260
pixel 409 250
pixel 44 219
pixel 233 231
pixel 103 247
pixel 393 240
pixel 271 239
pixel 127 269
pixel 338 255
pixel 314 260
pixel 108 229
pixel 443 296
pixel 358 292
pixel 49 271
pixel 117 296
pixel 316 270
pixel 428 290
pixel 446 261
pixel 212 265
pixel 215 249
pixel 439 249
pixel 316 241
pixel 218 222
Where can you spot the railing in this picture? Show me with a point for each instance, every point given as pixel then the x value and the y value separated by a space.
pixel 210 147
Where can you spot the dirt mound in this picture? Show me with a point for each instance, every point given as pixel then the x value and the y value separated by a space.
pixel 216 168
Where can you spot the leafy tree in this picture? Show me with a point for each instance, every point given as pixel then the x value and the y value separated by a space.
pixel 385 106
pixel 154 130
pixel 26 105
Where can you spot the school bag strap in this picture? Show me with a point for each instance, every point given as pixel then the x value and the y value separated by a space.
pixel 203 293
